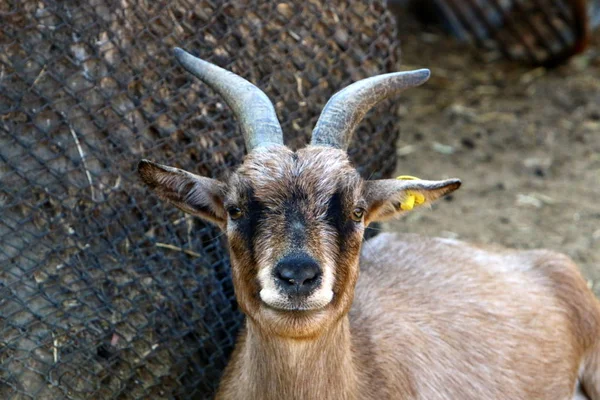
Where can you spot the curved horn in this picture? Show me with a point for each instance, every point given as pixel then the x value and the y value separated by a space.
pixel 250 105
pixel 344 111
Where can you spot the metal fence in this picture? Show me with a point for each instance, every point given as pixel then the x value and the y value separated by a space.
pixel 539 32
pixel 104 292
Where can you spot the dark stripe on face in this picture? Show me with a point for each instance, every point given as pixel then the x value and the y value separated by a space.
pixel 295 221
pixel 248 224
pixel 338 218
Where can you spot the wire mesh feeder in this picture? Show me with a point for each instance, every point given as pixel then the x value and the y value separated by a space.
pixel 541 32
pixel 97 299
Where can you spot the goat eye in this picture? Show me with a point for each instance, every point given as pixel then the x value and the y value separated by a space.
pixel 234 212
pixel 357 214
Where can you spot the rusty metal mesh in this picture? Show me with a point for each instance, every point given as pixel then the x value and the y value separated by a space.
pixel 540 32
pixel 104 292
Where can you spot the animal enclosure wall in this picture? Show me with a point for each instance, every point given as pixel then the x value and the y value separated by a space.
pixel 104 292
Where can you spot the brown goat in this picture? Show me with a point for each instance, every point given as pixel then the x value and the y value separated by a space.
pixel 428 318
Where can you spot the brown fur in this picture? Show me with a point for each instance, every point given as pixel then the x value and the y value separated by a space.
pixel 428 318
pixel 438 319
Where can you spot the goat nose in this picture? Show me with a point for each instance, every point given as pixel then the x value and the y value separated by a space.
pixel 298 274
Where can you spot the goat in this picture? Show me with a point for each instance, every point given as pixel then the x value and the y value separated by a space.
pixel 428 318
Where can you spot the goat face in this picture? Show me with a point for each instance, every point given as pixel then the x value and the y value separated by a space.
pixel 294 230
pixel 294 220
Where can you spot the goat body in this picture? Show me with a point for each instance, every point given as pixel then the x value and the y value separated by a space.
pixel 437 319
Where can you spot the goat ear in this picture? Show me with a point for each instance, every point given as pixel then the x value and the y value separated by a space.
pixel 389 198
pixel 193 194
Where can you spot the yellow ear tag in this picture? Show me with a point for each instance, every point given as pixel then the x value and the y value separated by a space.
pixel 412 198
pixel 408 203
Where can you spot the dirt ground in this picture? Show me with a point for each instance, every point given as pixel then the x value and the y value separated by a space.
pixel 525 142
